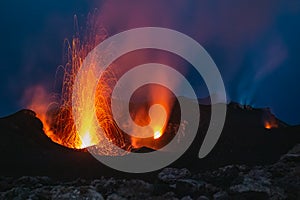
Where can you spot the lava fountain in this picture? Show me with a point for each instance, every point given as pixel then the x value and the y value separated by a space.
pixel 57 115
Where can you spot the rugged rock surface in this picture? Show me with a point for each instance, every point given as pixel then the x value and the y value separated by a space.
pixel 244 164
pixel 280 180
pixel 244 140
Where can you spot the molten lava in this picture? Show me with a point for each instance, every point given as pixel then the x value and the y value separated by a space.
pixel 269 119
pixel 87 140
pixel 271 124
pixel 157 134
pixel 57 115
pixel 268 125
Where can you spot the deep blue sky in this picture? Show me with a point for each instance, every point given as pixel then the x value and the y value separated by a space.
pixel 255 44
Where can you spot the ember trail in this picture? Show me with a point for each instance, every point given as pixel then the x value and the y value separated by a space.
pixel 57 116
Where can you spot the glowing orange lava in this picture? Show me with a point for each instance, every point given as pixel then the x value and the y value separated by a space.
pixel 57 115
pixel 157 134
pixel 86 140
pixel 268 125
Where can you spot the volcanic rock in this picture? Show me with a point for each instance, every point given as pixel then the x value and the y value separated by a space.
pixel 170 175
pixel 221 196
pixel 258 182
pixel 26 150
pixel 248 162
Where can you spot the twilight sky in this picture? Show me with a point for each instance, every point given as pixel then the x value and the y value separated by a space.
pixel 255 44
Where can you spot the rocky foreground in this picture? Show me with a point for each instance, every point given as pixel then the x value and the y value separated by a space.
pixel 280 180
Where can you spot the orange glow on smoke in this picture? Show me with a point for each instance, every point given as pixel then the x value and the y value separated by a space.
pixel 271 124
pixel 158 121
pixel 268 125
pixel 155 114
pixel 38 100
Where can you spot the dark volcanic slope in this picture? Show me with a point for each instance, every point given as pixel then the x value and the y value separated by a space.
pixel 244 139
pixel 26 150
pixel 279 181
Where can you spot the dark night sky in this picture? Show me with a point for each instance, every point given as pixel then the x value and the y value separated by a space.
pixel 255 44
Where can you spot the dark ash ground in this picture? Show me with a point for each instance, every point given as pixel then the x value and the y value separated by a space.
pixel 280 180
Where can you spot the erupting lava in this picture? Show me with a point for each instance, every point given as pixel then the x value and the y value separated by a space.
pixel 86 140
pixel 57 115
pixel 271 124
pixel 268 125
pixel 159 120
pixel 157 134
pixel 270 120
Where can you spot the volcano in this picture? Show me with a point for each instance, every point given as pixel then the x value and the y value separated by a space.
pixel 26 150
